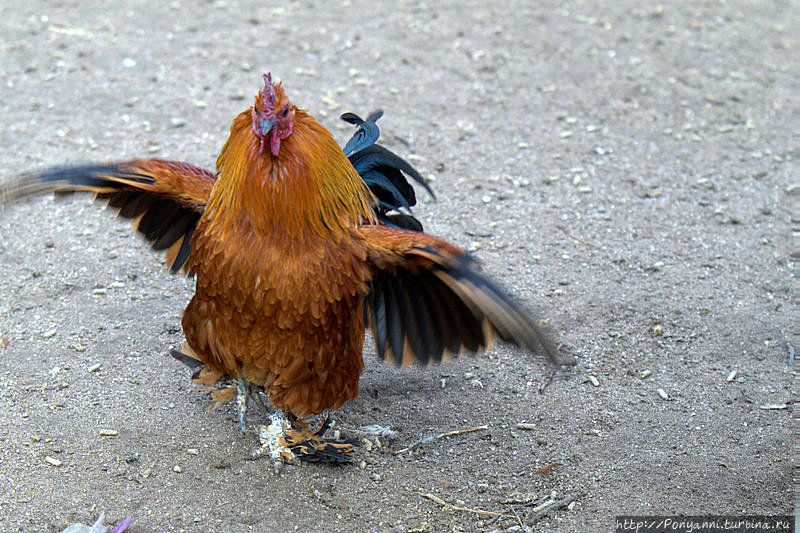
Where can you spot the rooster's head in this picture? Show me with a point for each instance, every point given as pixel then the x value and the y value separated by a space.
pixel 273 115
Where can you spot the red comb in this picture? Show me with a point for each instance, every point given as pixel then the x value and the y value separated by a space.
pixel 268 97
pixel 268 102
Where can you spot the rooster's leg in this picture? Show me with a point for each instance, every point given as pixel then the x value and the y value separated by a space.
pixel 245 390
pixel 257 395
pixel 241 402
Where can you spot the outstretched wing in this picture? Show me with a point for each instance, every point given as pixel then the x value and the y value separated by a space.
pixel 165 199
pixel 428 302
pixel 384 172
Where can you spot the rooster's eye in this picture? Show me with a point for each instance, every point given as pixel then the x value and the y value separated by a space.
pixel 284 112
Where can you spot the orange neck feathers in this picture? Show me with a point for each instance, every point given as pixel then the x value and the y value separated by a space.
pixel 308 189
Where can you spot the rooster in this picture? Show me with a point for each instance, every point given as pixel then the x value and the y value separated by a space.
pixel 297 246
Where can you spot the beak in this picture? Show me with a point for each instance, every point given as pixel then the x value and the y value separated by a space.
pixel 266 125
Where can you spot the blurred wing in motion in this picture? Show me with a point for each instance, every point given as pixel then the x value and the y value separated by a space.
pixel 428 302
pixel 164 199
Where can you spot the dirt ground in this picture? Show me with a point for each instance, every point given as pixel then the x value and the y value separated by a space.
pixel 625 167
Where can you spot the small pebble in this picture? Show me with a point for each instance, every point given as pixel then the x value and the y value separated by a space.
pixel 525 425
pixel 192 451
pixel 221 464
pixel 486 198
pixel 101 290
pixel 661 392
pixel 128 62
pixel 773 406
pixel 53 461
pixel 658 329
pixel 94 368
pixel 108 433
pixel 518 496
pixel 732 375
pixel 645 374
pixel 593 380
pixel 177 469
pixel 49 333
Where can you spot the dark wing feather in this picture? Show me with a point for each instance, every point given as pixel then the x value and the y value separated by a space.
pixel 394 324
pixel 428 321
pixel 376 313
pixel 437 304
pixel 165 199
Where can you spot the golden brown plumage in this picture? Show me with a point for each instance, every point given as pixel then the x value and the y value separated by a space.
pixel 293 247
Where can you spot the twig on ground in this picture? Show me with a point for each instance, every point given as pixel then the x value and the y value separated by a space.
pixel 460 432
pixel 541 509
pixel 540 512
pixel 424 440
pixel 519 520
pixel 582 241
pixel 745 397
pixel 437 500
pixel 546 381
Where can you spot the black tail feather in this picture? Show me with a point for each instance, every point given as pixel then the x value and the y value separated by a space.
pixel 384 172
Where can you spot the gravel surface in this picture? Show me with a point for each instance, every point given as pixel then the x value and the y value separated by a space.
pixel 626 168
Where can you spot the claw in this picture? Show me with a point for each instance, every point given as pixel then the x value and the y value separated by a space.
pixel 313 446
